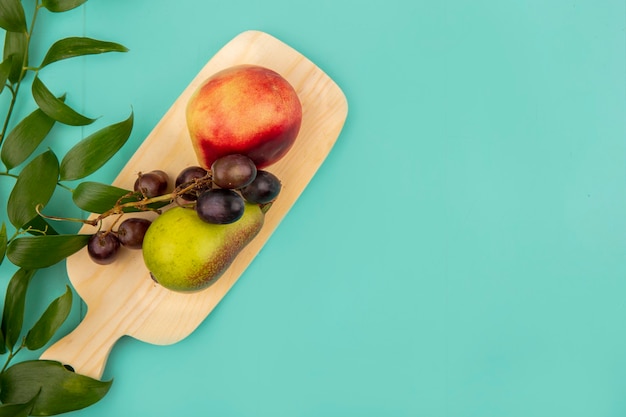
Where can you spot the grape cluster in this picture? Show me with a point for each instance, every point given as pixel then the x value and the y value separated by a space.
pixel 104 245
pixel 236 181
pixel 218 196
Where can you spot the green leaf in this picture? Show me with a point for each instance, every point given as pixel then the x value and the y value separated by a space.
pixel 15 45
pixel 79 46
pixel 34 252
pixel 22 141
pixel 35 185
pixel 55 107
pixel 58 6
pixel 95 150
pixel 3 241
pixel 13 314
pixel 50 321
pixel 20 409
pixel 96 197
pixel 5 71
pixel 12 17
pixel 60 390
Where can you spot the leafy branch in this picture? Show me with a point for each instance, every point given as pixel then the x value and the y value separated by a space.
pixel 41 387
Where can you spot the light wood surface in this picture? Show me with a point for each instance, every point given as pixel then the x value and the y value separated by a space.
pixel 121 298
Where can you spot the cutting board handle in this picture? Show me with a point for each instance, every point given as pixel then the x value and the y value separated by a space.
pixel 87 347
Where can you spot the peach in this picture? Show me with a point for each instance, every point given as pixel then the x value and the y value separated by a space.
pixel 245 109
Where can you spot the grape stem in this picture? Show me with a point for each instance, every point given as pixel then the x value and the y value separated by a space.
pixel 141 205
pixel 145 202
pixel 15 87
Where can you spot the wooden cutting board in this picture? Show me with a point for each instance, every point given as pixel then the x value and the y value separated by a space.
pixel 121 297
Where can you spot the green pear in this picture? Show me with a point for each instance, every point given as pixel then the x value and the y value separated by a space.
pixel 185 253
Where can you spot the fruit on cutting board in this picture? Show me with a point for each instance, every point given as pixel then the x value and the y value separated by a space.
pixel 240 120
pixel 263 189
pixel 103 246
pixel 151 184
pixel 245 109
pixel 132 231
pixel 190 245
pixel 220 206
pixel 186 177
pixel 233 171
pixel 185 253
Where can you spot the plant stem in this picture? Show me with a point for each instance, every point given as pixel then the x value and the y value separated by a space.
pixel 70 189
pixel 9 111
pixel 8 174
pixel 16 88
pixel 12 354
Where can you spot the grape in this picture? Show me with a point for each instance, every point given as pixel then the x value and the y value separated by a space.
pixel 220 206
pixel 103 247
pixel 162 174
pixel 233 171
pixel 152 184
pixel 131 232
pixel 263 189
pixel 187 176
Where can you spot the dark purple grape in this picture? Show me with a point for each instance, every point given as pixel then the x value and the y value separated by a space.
pixel 131 232
pixel 103 247
pixel 152 184
pixel 220 206
pixel 162 174
pixel 187 176
pixel 233 171
pixel 263 189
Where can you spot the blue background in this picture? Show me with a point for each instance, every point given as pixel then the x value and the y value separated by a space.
pixel 460 253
